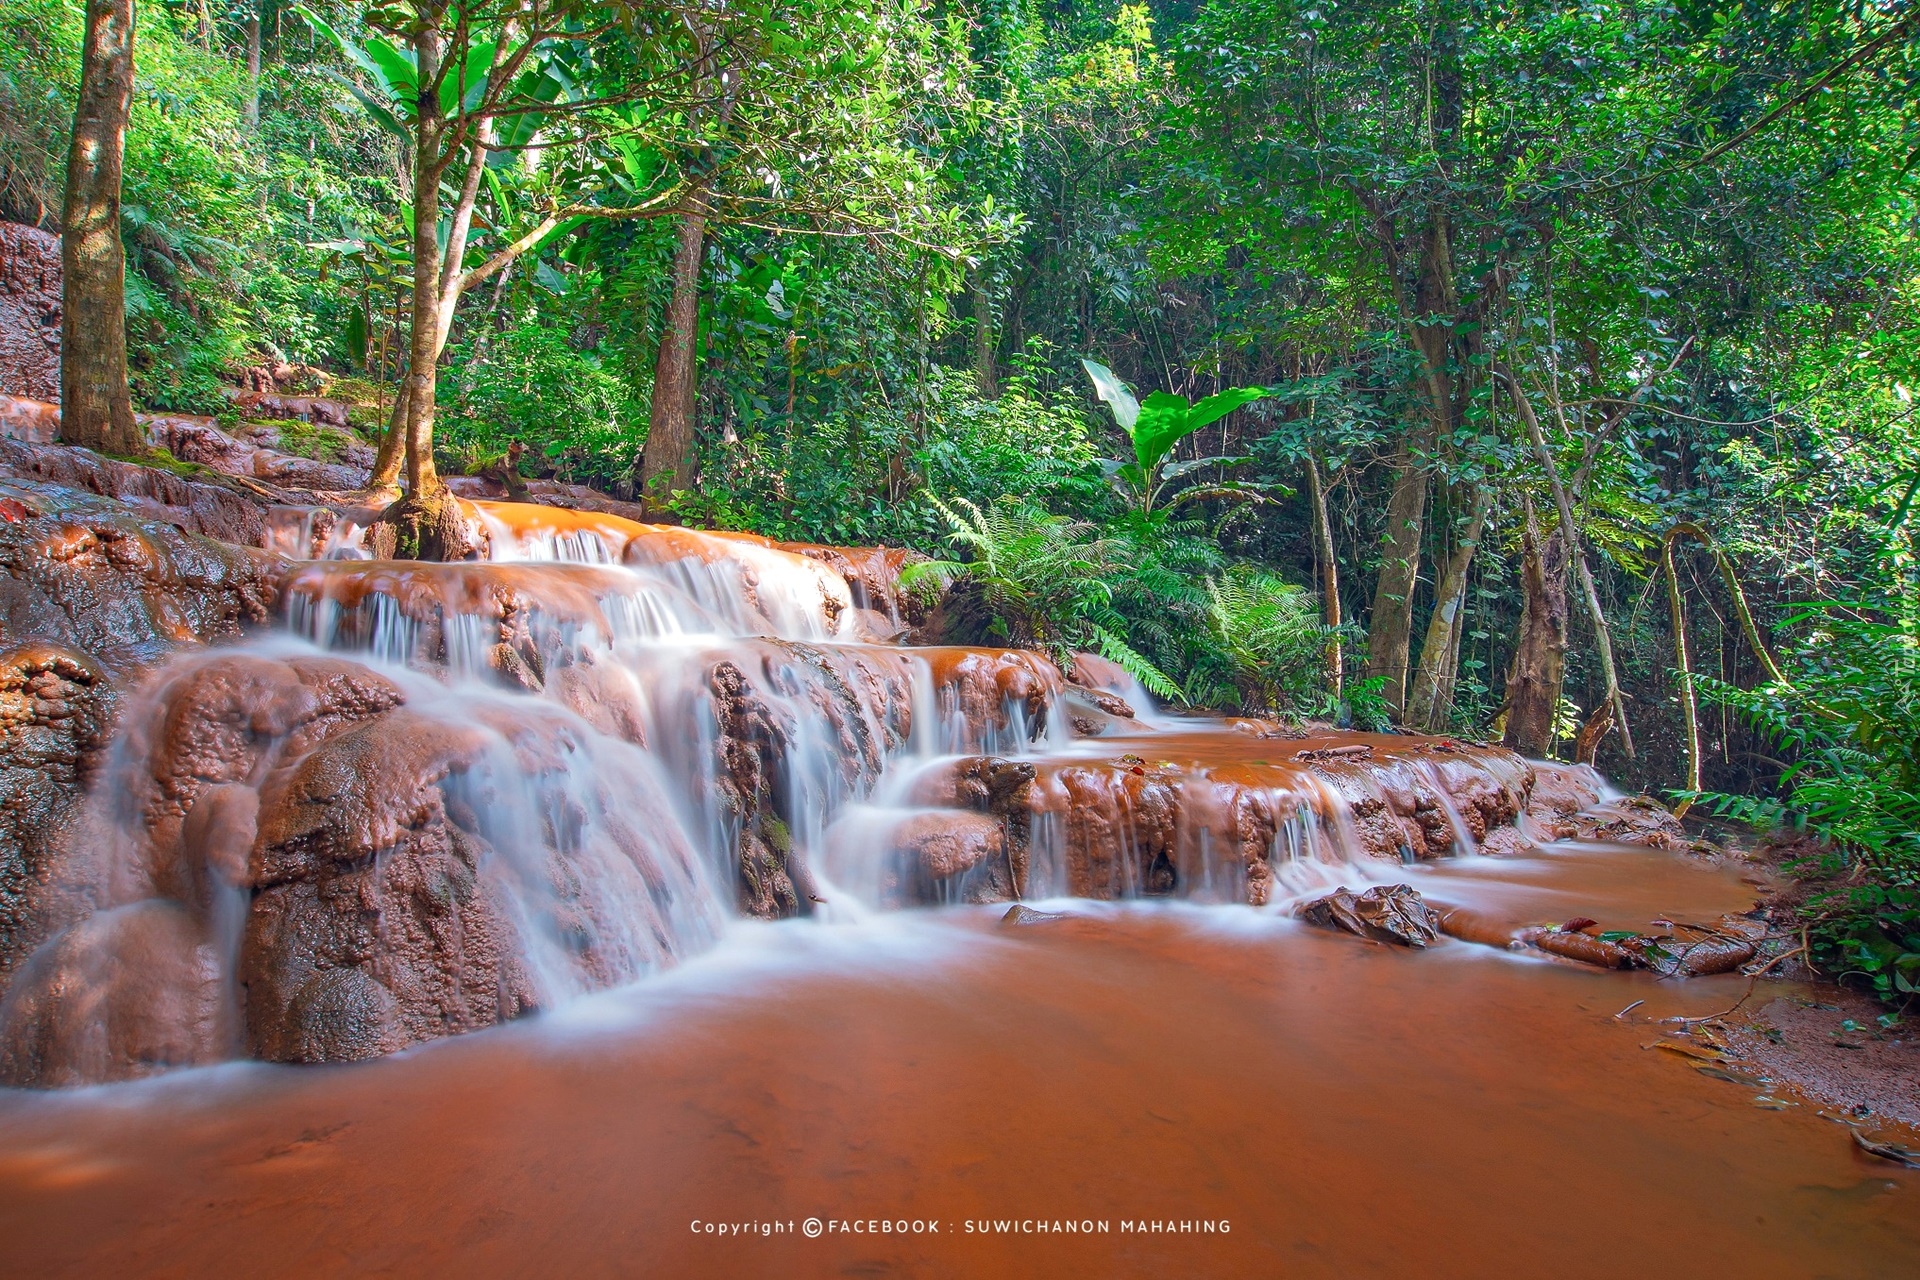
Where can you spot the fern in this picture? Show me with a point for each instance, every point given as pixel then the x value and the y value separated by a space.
pixel 1850 718
pixel 1116 650
pixel 1270 632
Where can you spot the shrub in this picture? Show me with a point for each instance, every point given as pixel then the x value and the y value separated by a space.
pixel 1849 711
pixel 1271 633
pixel 535 387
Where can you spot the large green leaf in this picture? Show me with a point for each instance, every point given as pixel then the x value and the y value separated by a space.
pixel 479 62
pixel 543 84
pixel 382 112
pixel 356 336
pixel 1216 407
pixel 1162 423
pixel 1126 410
pixel 353 52
pixel 1174 470
pixel 395 70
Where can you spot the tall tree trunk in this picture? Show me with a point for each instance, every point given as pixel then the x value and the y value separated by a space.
pixel 1329 579
pixel 668 463
pixel 1689 710
pixel 1432 698
pixel 253 68
pixel 96 408
pixel 1602 634
pixel 393 445
pixel 983 341
pixel 1539 665
pixel 424 353
pixel 1390 627
pixel 386 463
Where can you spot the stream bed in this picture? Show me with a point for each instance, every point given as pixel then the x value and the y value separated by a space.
pixel 1305 1103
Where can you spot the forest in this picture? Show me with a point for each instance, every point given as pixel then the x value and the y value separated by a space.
pixel 1537 373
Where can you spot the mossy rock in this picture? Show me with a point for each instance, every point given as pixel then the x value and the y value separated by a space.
pixel 424 527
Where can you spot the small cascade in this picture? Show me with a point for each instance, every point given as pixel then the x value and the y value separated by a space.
pixel 446 795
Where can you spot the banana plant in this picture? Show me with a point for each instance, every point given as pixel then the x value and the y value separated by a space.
pixel 1155 426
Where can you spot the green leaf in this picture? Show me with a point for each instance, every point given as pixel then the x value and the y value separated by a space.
pixel 383 113
pixel 356 336
pixel 1216 407
pixel 473 74
pixel 1126 410
pixel 1162 424
pixel 1174 469
pixel 353 52
pixel 1134 663
pixel 394 68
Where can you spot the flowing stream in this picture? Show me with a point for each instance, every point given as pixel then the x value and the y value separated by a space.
pixel 563 781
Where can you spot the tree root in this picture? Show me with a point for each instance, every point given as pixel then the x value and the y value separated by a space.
pixel 428 526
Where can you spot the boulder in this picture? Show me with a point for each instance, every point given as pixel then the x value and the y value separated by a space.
pixel 125 993
pixel 1384 913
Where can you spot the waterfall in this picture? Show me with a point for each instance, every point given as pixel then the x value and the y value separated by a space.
pixel 441 796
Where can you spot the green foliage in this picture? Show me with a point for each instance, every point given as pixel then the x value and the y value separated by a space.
pixel 1271 631
pixel 830 479
pixel 1155 427
pixel 1367 706
pixel 1044 580
pixel 533 386
pixel 1850 712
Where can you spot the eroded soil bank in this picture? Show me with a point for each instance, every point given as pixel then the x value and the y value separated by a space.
pixel 1347 1109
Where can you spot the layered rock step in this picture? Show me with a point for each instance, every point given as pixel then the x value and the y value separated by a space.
pixel 432 798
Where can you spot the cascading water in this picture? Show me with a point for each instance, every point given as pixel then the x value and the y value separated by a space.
pixel 447 794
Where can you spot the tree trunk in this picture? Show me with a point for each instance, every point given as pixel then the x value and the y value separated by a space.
pixel 424 353
pixel 1432 698
pixel 386 463
pixel 393 445
pixel 1538 670
pixel 253 69
pixel 96 408
pixel 1329 579
pixel 668 463
pixel 1689 709
pixel 1602 634
pixel 1390 628
pixel 983 342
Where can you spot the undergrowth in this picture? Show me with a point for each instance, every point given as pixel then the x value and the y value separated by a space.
pixel 1848 714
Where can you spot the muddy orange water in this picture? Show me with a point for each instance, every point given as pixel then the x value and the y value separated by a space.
pixel 1332 1108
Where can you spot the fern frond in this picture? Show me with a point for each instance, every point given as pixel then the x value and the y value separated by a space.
pixel 1116 650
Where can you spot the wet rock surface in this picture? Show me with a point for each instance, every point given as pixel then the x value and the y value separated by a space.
pixel 799 717
pixel 206 509
pixel 91 594
pixel 29 311
pixel 1384 913
pixel 370 873
pixel 572 771
pixel 125 993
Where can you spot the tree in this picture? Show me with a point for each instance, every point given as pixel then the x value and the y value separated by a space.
pixel 668 462
pixel 454 81
pixel 655 115
pixel 96 407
